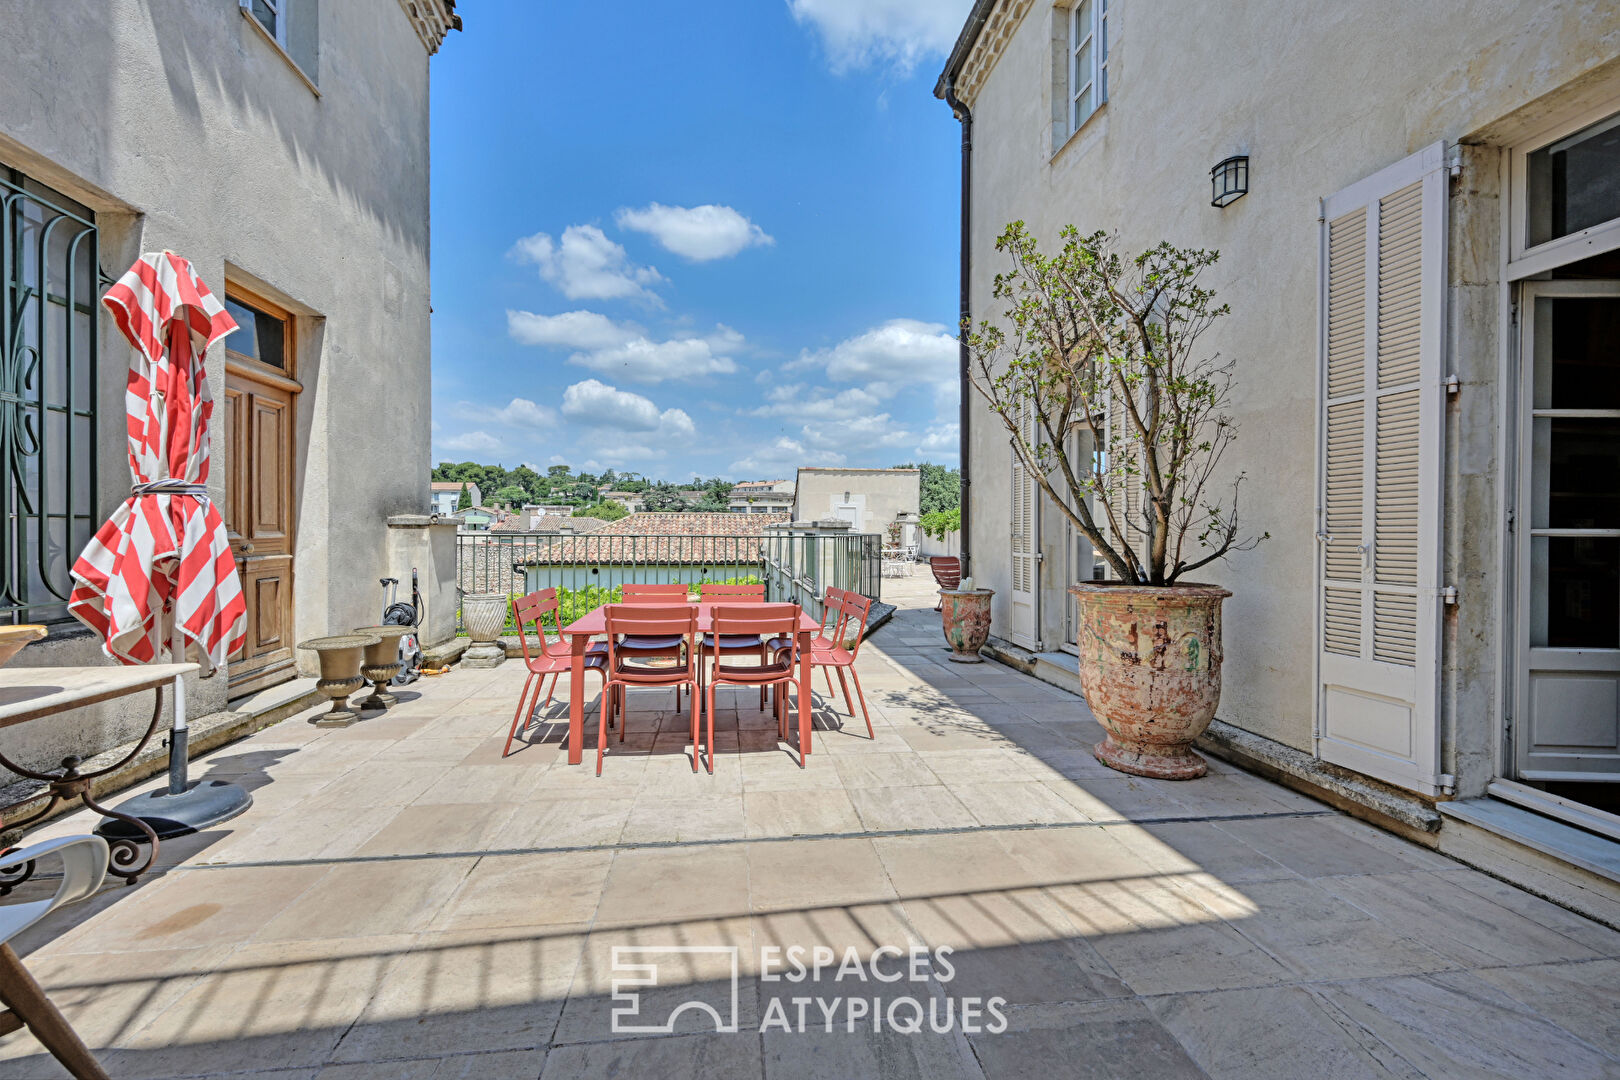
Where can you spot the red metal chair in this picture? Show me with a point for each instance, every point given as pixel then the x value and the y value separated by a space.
pixel 552 659
pixel 835 652
pixel 762 622
pixel 947 572
pixel 655 648
pixel 714 592
pixel 627 668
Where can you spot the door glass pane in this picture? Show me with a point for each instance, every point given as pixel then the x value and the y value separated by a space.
pixel 1574 183
pixel 1577 352
pixel 1575 590
pixel 260 336
pixel 1582 475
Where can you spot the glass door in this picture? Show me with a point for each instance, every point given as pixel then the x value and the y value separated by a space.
pixel 1567 737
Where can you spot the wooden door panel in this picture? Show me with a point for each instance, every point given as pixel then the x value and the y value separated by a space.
pixel 268 466
pixel 258 423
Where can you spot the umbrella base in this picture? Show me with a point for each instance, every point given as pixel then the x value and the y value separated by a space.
pixel 203 803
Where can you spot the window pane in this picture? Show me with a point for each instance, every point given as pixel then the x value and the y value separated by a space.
pixel 265 12
pixel 1575 182
pixel 1577 353
pixel 261 336
pixel 1583 472
pixel 1576 589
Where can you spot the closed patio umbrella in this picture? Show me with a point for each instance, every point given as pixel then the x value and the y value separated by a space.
pixel 160 570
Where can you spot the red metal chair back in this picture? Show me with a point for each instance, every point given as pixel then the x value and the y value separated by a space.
pixel 531 609
pixel 764 621
pixel 947 570
pixel 642 593
pixel 832 614
pixel 646 620
pixel 721 592
pixel 856 610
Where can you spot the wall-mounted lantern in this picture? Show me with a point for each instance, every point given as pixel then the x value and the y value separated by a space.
pixel 1229 181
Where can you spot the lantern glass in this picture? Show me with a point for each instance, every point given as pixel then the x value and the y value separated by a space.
pixel 1229 181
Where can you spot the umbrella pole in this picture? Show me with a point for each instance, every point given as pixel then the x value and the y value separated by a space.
pixel 185 807
pixel 179 735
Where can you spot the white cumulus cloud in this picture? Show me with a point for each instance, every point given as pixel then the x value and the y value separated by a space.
pixel 781 456
pixel 521 412
pixel 899 33
pixel 586 265
pixel 472 442
pixel 890 357
pixel 699 233
pixel 623 350
pixel 596 404
pixel 569 330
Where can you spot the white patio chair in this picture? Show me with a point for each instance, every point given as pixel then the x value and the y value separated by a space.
pixel 84 864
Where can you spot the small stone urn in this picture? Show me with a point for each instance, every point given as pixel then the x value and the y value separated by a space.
pixel 484 615
pixel 965 617
pixel 380 663
pixel 340 673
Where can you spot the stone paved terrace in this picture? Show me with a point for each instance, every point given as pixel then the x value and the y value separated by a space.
pixel 401 902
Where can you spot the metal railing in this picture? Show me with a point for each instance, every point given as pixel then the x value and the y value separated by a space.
pixel 799 567
pixel 795 568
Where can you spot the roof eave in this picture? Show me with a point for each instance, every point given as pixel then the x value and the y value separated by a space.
pixel 965 41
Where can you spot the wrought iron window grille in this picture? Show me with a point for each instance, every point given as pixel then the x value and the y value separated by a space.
pixel 50 280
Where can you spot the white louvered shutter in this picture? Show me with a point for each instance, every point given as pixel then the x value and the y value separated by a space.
pixel 1381 422
pixel 1025 514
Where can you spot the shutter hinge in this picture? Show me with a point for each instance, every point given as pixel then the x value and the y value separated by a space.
pixel 1454 159
pixel 1446 782
pixel 1448 595
pixel 1510 519
pixel 1453 385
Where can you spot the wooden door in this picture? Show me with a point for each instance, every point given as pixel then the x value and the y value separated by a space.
pixel 258 429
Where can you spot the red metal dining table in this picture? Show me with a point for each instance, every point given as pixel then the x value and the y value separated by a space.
pixel 581 630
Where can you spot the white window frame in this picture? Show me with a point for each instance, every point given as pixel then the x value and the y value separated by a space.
pixel 279 9
pixel 1525 260
pixel 1094 33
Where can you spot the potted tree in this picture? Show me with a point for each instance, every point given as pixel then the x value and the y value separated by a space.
pixel 1120 419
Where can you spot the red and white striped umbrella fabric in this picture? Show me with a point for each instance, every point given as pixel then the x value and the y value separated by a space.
pixel 160 570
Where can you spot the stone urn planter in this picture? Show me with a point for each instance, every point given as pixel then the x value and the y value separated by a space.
pixel 1150 665
pixel 484 616
pixel 965 618
pixel 13 639
pixel 380 662
pixel 340 657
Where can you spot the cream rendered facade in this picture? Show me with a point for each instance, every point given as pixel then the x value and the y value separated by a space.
pixel 182 125
pixel 869 499
pixel 1434 100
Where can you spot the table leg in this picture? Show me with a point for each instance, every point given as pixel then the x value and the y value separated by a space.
pixel 576 697
pixel 804 697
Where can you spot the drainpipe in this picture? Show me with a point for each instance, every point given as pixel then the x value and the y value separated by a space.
pixel 964 319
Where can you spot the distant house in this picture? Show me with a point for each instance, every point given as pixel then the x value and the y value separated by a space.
pixel 532 521
pixel 633 501
pixel 478 518
pixel 761 497
pixel 447 493
pixel 869 499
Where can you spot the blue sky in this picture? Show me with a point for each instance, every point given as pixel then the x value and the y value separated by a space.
pixel 713 238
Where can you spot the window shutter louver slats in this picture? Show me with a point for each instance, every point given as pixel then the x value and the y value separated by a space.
pixel 1381 416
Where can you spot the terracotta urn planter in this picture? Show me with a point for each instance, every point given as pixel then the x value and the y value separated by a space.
pixel 484 616
pixel 380 662
pixel 340 657
pixel 965 618
pixel 1150 664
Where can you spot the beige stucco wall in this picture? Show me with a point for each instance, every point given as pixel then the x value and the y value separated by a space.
pixel 879 495
pixel 1318 99
pixel 185 129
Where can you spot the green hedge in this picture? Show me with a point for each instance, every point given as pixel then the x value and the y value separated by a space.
pixel 575 603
